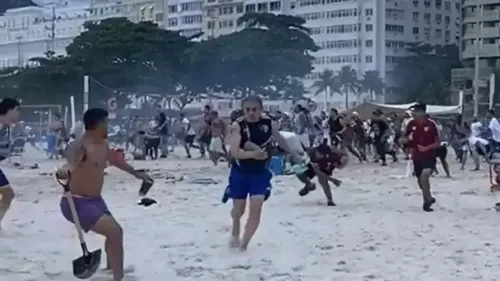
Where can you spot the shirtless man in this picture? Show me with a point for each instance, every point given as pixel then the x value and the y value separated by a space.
pixel 218 132
pixel 9 113
pixel 88 156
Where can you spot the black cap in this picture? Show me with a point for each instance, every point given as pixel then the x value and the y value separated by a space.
pixel 419 107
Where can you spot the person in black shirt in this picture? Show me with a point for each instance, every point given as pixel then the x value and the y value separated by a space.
pixel 335 125
pixel 381 132
pixel 161 120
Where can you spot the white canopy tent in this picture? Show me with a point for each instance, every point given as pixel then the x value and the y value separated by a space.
pixel 431 109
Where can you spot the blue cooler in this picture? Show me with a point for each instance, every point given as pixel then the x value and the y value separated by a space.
pixel 276 165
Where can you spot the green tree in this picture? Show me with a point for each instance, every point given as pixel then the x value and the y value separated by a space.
pixel 372 83
pixel 327 78
pixel 349 82
pixel 267 51
pixel 425 74
pixel 52 81
pixel 130 56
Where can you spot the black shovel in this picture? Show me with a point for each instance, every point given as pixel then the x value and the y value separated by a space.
pixel 86 265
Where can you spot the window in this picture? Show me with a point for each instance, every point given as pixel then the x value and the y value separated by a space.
pixel 368 28
pixel 446 21
pixel 439 33
pixel 239 9
pixel 439 3
pixel 275 6
pixel 394 28
pixel 226 10
pixel 427 18
pixel 172 22
pixel 250 8
pixel 427 3
pixel 262 7
pixel 415 30
pixel 415 17
pixel 172 8
pixel 368 59
pixel 438 18
pixel 369 43
pixel 369 12
pixel 415 3
pixel 447 5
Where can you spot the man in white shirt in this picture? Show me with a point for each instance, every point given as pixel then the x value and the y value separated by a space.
pixel 477 144
pixel 494 126
pixel 188 134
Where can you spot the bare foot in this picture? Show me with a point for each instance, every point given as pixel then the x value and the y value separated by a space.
pixel 234 242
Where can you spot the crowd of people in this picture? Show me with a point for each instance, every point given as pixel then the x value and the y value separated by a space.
pixel 313 146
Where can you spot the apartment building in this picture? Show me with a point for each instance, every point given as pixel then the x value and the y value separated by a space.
pixel 481 32
pixel 185 16
pixel 371 35
pixel 221 16
pixel 30 31
pixel 479 43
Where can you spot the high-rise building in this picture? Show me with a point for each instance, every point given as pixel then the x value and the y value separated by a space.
pixel 481 24
pixel 32 30
pixel 480 54
pixel 372 35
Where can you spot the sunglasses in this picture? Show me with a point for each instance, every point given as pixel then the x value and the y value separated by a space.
pixel 251 109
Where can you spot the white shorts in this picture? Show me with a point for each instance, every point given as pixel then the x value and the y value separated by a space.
pixel 216 145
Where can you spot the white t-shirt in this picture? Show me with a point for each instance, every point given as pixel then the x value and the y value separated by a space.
pixel 475 129
pixel 293 141
pixel 495 129
pixel 186 125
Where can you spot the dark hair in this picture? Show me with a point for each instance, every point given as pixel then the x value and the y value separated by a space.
pixel 8 104
pixel 93 117
pixel 254 99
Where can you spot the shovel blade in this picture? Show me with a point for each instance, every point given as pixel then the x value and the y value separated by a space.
pixel 85 266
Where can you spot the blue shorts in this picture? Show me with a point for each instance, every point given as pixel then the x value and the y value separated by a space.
pixel 4 182
pixel 243 185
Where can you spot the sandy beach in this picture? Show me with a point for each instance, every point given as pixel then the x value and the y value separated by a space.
pixel 377 231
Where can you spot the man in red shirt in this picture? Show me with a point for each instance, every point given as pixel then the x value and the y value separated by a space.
pixel 324 159
pixel 423 137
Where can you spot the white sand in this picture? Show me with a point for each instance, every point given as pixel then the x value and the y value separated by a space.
pixel 378 231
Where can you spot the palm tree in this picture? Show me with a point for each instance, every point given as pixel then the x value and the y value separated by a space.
pixel 349 82
pixel 326 79
pixel 373 84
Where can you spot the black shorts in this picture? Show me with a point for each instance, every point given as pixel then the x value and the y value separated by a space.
pixel 442 152
pixel 4 182
pixel 421 165
pixel 310 173
pixel 189 139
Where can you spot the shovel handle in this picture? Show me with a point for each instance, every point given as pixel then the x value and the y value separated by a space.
pixel 74 213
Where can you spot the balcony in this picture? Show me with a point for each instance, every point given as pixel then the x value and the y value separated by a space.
pixel 490 32
pixel 491 15
pixel 486 51
pixel 468 3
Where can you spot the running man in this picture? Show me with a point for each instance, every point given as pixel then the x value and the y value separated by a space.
pixel 9 113
pixel 250 140
pixel 218 131
pixel 88 156
pixel 423 136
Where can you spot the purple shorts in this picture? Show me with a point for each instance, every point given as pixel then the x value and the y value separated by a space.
pixel 89 209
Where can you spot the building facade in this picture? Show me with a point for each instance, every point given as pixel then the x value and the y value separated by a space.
pixel 185 16
pixel 371 35
pixel 479 42
pixel 31 31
